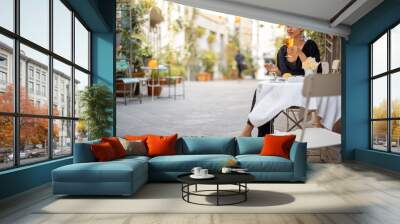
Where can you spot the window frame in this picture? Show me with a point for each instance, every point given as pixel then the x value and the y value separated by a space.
pixel 16 114
pixel 388 74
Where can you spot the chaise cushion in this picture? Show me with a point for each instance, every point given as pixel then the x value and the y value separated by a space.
pixel 257 163
pixel 118 177
pixel 185 163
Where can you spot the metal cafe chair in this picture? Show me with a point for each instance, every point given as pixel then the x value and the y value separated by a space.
pixel 320 86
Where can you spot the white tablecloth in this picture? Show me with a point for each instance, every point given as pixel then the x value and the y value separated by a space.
pixel 273 97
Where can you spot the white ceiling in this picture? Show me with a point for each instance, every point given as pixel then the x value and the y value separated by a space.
pixel 320 9
pixel 310 14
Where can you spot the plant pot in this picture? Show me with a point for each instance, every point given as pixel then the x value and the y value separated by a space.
pixel 157 90
pixel 163 82
pixel 203 76
pixel 138 74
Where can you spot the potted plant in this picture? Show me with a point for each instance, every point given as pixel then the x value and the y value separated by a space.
pixel 208 59
pixel 154 86
pixel 97 109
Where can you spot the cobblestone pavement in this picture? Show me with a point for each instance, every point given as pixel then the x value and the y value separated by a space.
pixel 216 108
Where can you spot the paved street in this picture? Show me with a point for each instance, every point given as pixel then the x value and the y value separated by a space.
pixel 217 108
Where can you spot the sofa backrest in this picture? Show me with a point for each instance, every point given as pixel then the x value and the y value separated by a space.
pixel 206 145
pixel 83 152
pixel 249 145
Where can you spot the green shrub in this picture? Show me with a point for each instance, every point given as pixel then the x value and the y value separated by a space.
pixel 97 109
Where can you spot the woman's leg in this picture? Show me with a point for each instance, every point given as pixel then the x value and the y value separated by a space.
pixel 248 128
pixel 265 129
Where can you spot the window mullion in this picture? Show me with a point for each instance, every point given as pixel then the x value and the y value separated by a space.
pixel 389 101
pixel 73 82
pixel 16 69
pixel 50 81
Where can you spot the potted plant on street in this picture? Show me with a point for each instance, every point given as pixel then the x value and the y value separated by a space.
pixel 154 87
pixel 208 59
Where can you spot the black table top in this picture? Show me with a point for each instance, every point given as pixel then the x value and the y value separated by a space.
pixel 220 178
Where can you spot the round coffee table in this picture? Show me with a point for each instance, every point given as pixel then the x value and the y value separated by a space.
pixel 238 179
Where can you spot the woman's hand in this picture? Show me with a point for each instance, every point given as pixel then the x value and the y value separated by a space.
pixel 295 52
pixel 272 68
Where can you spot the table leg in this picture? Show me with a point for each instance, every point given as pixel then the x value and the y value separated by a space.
pixel 217 194
pixel 125 94
pixel 188 192
pixel 195 188
pixel 245 193
pixel 169 87
pixel 183 87
pixel 174 89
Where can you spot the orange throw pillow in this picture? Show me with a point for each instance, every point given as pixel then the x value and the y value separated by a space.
pixel 116 145
pixel 142 138
pixel 161 145
pixel 103 152
pixel 277 145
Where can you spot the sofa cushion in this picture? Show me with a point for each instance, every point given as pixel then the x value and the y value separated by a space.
pixel 134 147
pixel 103 152
pixel 142 138
pixel 185 163
pixel 161 145
pixel 257 163
pixel 249 145
pixel 277 145
pixel 116 145
pixel 207 145
pixel 112 171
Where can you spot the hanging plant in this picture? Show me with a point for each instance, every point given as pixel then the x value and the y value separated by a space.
pixel 211 38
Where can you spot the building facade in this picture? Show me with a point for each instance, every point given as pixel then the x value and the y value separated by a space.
pixel 34 81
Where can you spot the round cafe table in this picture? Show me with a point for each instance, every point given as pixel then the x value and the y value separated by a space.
pixel 238 179
pixel 272 97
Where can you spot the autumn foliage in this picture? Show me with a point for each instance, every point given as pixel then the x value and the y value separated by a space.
pixel 33 131
pixel 380 127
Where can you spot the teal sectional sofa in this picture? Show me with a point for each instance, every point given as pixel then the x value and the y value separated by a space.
pixel 125 176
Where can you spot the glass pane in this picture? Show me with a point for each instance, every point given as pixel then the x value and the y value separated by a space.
pixel 62 89
pixel 395 94
pixel 7 14
pixel 33 139
pixel 81 45
pixel 62 29
pixel 81 81
pixel 395 136
pixel 62 138
pixel 6 142
pixel 34 97
pixel 379 56
pixel 379 97
pixel 6 74
pixel 395 48
pixel 81 131
pixel 379 135
pixel 35 21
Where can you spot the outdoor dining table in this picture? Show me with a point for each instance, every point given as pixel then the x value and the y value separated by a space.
pixel 131 84
pixel 274 96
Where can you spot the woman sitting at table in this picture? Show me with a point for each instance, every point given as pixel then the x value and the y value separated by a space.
pixel 289 60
